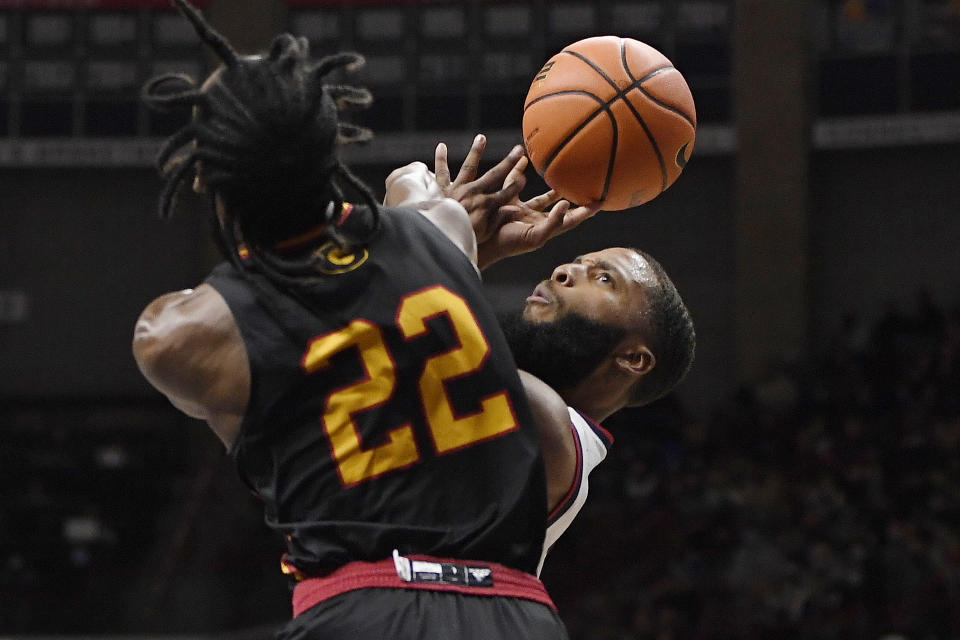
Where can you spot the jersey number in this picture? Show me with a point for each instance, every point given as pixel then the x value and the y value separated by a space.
pixel 448 430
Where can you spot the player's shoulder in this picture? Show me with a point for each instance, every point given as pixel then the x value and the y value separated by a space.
pixel 549 410
pixel 183 319
pixel 188 347
pixel 543 394
pixel 185 305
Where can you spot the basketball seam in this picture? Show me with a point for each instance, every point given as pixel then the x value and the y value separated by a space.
pixel 562 93
pixel 614 143
pixel 636 114
pixel 638 84
pixel 592 65
pixel 622 95
pixel 620 92
pixel 604 108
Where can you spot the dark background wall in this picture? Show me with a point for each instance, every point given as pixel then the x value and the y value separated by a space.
pixel 88 253
pixel 884 225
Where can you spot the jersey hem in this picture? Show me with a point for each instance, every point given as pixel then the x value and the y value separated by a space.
pixel 506 582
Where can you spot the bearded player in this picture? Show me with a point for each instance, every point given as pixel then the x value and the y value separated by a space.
pixel 607 330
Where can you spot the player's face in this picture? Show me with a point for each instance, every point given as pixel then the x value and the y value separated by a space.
pixel 561 352
pixel 607 286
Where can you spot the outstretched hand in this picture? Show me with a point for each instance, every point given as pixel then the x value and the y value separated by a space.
pixel 503 224
pixel 525 226
pixel 482 197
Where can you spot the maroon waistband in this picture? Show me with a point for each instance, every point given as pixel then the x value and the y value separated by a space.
pixel 500 581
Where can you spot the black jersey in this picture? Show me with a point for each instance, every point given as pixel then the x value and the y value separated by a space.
pixel 392 416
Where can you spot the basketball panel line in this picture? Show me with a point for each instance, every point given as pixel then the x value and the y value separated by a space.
pixel 638 83
pixel 566 92
pixel 636 114
pixel 602 108
pixel 590 63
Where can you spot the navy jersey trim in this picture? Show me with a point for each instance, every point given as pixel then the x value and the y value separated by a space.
pixel 605 436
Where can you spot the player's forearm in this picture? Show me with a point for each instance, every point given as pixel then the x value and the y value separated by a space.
pixel 415 187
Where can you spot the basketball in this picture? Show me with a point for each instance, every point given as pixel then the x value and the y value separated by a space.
pixel 609 120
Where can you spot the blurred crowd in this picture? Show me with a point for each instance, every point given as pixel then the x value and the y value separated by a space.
pixel 822 502
pixel 121 516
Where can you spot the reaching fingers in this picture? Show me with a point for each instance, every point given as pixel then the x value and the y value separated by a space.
pixel 497 175
pixel 553 223
pixel 497 206
pixel 468 170
pixel 536 234
pixel 544 200
pixel 510 192
pixel 517 171
pixel 440 166
pixel 575 216
pixel 494 220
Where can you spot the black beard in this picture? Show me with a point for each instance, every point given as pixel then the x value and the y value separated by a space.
pixel 561 352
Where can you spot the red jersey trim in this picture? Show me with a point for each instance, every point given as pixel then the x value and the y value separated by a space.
pixel 297 241
pixel 382 574
pixel 345 210
pixel 301 239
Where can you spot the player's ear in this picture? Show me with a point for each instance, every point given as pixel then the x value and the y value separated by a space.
pixel 635 359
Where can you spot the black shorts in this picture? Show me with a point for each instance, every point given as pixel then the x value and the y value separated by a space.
pixel 418 614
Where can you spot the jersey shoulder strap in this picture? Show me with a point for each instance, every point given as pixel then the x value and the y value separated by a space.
pixel 592 443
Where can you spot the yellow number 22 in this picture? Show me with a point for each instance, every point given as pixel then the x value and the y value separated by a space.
pixel 448 430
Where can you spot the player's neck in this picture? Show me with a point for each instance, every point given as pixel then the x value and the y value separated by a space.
pixel 594 399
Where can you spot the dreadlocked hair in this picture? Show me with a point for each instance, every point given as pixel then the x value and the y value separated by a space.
pixel 264 134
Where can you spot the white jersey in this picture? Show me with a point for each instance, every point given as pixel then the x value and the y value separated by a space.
pixel 591 442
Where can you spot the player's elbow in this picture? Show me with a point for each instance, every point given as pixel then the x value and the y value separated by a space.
pixel 154 348
pixel 148 347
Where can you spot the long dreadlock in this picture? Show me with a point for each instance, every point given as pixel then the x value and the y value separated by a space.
pixel 264 135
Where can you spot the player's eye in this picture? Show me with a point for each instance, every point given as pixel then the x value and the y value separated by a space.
pixel 603 276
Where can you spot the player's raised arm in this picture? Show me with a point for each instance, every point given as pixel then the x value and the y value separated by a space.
pixel 414 186
pixel 526 225
pixel 482 196
pixel 503 224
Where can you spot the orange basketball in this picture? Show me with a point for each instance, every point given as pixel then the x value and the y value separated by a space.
pixel 609 119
